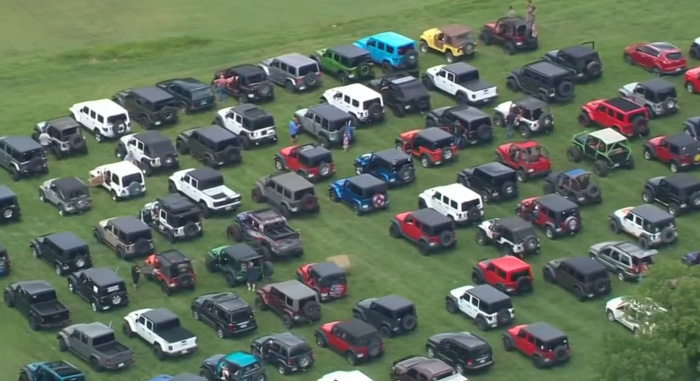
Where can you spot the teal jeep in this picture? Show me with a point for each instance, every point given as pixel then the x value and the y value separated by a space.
pixel 348 63
pixel 234 261
pixel 51 371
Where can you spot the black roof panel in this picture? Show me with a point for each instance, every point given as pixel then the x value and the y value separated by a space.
pixel 429 216
pixel 289 339
pixel 292 181
pixel 187 83
pixel 350 51
pixel 365 181
pixel 311 151
pixel 652 213
pixel 556 203
pixel 514 223
pixel 357 327
pixel 66 240
pixel 70 184
pixel 229 301
pixel 35 286
pixel 250 111
pixel 494 169
pixel 657 85
pixel 170 257
pixel 624 104
pixel 579 51
pixel 247 70
pixel 488 293
pixel 21 143
pixel 215 133
pixel 394 302
pixel 548 69
pixel 241 252
pixel 681 140
pixel 151 137
pixel 530 103
pixel 64 123
pixel 459 68
pixel 545 331
pixel 129 225
pixel 682 180
pixel 205 174
pixel 330 112
pixel 325 269
pixel 102 276
pixel 160 315
pixel 6 192
pixel 294 289
pixel 390 155
pixel 465 339
pixel 434 134
pixel 176 203
pixel 153 94
pixel 468 113
pixel 585 264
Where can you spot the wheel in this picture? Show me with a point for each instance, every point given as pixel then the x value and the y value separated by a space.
pixel 62 345
pixel 614 226
pixel 656 72
pixel 321 341
pixel 628 59
pixel 689 87
pixel 611 316
pixel 521 175
pixel 549 232
pixel 423 47
pixel 647 155
pixel 451 306
pixel 449 57
pixel 481 324
pixel 673 166
pixel 158 351
pixel 574 154
pixel 95 365
pixel 600 168
pixel 385 331
pixel 279 165
pixel 425 161
pixel 351 358
pixel 394 231
pixel 508 344
pixel 195 315
pixel 220 333
pixel 648 196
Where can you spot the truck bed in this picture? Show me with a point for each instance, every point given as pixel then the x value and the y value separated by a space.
pixel 280 232
pixel 113 349
pixel 49 308
pixel 175 335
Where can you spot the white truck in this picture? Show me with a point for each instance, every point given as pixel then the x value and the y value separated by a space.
pixel 205 186
pixel 461 81
pixel 103 117
pixel 364 104
pixel 123 180
pixel 456 201
pixel 161 329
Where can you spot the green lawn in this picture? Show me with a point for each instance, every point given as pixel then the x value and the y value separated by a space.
pixel 65 52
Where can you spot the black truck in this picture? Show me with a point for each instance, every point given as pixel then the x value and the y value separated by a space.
pixel 37 301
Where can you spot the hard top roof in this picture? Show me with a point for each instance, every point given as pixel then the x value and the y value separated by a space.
pixel 153 94
pixel 128 224
pixel 634 250
pixel 544 331
pixel 549 69
pixel 576 172
pixel 530 103
pixel 651 213
pixel 349 50
pixel 104 107
pixel 458 192
pixel 289 339
pixel 170 257
pixel 205 174
pixel 579 51
pixel 292 181
pixel 160 315
pixel 509 263
pixel 187 377
pixel 663 45
pixel 556 203
pixel 64 123
pixel 294 289
pixel 6 192
pixel 21 143
pixel 69 184
pixel 585 264
pixel 66 240
pixel 458 68
pixel 325 269
pixel 453 30
pixel 488 293
pixel 295 59
pixel 608 136
pixel 434 367
pixel 247 70
pixel 514 223
pixel 401 79
pixel 102 276
pixel 365 181
pixel 682 180
pixel 241 358
pixel 151 137
pixel 680 139
pixel 466 339
pixel 356 327
pixel 63 368
pixel 392 38
pixel 121 168
pixel 187 83
pixel 468 113
pixel 434 134
pixel 310 151
pixel 176 203
pixel 35 286
pixel 229 301
pixel 624 104
pixel 94 329
pixel 394 302
pixel 329 112
pixel 495 169
pixel 657 84
pixel 250 111
pixel 215 133
pixel 429 216
pixel 392 154
pixel 241 252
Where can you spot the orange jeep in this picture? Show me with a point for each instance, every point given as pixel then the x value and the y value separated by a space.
pixel 432 145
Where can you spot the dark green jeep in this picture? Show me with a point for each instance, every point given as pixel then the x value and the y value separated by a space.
pixel 348 63
pixel 234 262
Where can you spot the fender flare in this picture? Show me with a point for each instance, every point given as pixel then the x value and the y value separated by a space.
pixel 281 158
pixel 450 297
pixel 359 311
pixel 128 320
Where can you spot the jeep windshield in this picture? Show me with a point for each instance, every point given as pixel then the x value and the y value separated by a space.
pixel 29 155
pixel 41 297
pixel 202 94
pixel 259 123
pixel 315 160
pixel 103 339
pixel 132 178
pixel 493 308
pixel 405 48
pixel 116 119
pixel 308 68
pixel 435 230
pixel 439 144
pixel 330 280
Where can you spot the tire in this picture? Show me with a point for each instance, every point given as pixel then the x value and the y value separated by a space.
pixel 477 278
pixel 640 126
pixel 574 154
pixel 594 69
pixel 614 226
pixel 428 83
pixel 584 120
pixel 628 59
pixel 648 196
pixel 549 232
pixel 385 331
pixel 499 120
pixel 481 238
pixel 512 85
pixel 509 48
pixel 321 340
pixel 508 344
pixel 181 147
pixel 690 88
pixel 351 358
pixel 62 346
pixel 451 306
pixel 695 53
pixel 673 166
pixel 521 175
pixel 462 98
pixel 600 168
pixel 425 161
pixel 33 324
pixel 423 248
pixel 257 196
pixel 423 47
pixel 394 231
pixel 260 303
pixel 565 90
pixel 578 293
pixel 656 71
pixel 449 57
pixel 206 212
pixel 547 276
pixel 481 324
pixel 290 87
pixel 287 321
pixel 234 233
pixel 343 79
pixel 158 351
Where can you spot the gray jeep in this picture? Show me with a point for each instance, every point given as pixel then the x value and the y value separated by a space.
pixel 657 95
pixel 65 136
pixel 326 122
pixel 96 344
pixel 22 157
pixel 128 236
pixel 294 71
pixel 289 192
pixel 69 194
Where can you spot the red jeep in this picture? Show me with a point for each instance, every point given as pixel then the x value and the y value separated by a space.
pixel 355 339
pixel 327 279
pixel 508 274
pixel 692 80
pixel 557 215
pixel 432 145
pixel 679 151
pixel 545 344
pixel 429 229
pixel 529 159
pixel 310 161
pixel 620 114
pixel 172 269
pixel 511 33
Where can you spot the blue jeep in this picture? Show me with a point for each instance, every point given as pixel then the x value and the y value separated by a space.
pixel 180 377
pixel 4 261
pixel 51 371
pixel 363 193
pixel 391 50
pixel 391 165
pixel 241 366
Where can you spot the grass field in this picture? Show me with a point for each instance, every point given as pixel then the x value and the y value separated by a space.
pixel 60 53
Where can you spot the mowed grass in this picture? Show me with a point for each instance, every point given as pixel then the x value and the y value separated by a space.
pixel 59 54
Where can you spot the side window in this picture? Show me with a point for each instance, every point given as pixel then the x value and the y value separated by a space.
pixel 611 113
pixel 142 320
pixel 149 325
pixel 187 179
pixel 347 99
pixel 442 74
pixel 355 103
pixel 454 205
pixel 629 217
pixel 275 64
pixel 390 49
pixel 674 150
pixel 450 77
pixel 625 260
pixel 194 183
pixel 92 114
pixel 380 45
pixel 115 178
pixel 615 255
pixel 501 274
pixel 475 302
pixel 437 195
pixel 325 125
pixel 530 339
pixel 372 43
pixel 239 119
pixel 83 338
pixel 620 117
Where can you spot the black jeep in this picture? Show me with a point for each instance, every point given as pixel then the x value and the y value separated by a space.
pixel 22 157
pixel 467 124
pixel 214 145
pixel 248 83
pixel 9 205
pixel 151 106
pixel 191 94
pixel 583 276
pixel 679 193
pixel 403 93
pixel 174 216
pixel 5 264
pixel 582 58
pixel 65 137
pixel 391 315
pixel 546 81
pixel 493 181
pixel 99 286
pixel 152 151
pixel 287 351
pixel 225 312
pixel 269 229
pixel 65 250
pixel 692 127
pixel 578 185
pixel 463 350
pixel 37 301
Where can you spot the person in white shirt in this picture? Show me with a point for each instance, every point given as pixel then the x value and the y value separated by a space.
pixel 44 139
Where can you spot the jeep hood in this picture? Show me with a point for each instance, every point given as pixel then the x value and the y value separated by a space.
pixel 362 43
pixel 552 53
pixel 124 139
pixel 615 302
pixel 459 291
pixel 434 70
pixel 554 263
pixel 300 113
pixel 622 212
pixel 221 192
pixel 655 180
pixel 629 88
pixel 504 108
pixel 366 302
pixel 598 246
pixel 187 133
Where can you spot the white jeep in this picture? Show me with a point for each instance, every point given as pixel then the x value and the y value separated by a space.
pixel 534 116
pixel 631 314
pixel 122 179
pixel 206 187
pixel 345 375
pixel 487 306
pixel 161 329
pixel 651 225
pixel 358 100
pixel 103 117
pixel 151 151
pixel 455 201
pixel 461 81
pixel 253 125
pixel 515 235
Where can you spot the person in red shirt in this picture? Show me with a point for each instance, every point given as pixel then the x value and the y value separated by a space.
pixel 221 83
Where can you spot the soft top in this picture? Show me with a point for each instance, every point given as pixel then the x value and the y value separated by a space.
pixel 392 38
pixel 129 224
pixel 514 223
pixel 215 133
pixel 494 169
pixel 289 339
pixel 325 269
pixel 205 174
pixel 623 104
pixel 241 358
pixel 508 263
pixel 548 68
pixel 311 151
pixel 429 216
pixel 171 257
pixel 69 184
pixel 394 302
pixel 176 203
pixel 63 123
pixel 454 30
pixel 652 213
pixel 104 107
pixel 468 113
pixel 6 192
pixel 458 192
pixel 357 327
pixel 93 330
pixel 530 103
pixel 250 111
pixel 35 286
pixel 153 94
pixel 151 137
pixel 21 143
pixel 295 59
pixel 556 203
pixel 63 368
pixel 160 315
pixel 459 68
pixel 579 51
pixel 247 70
pixel 292 181
pixel 488 293
pixel 390 155
pixel 66 240
pixel 366 181
pixel 585 264
pixel 608 136
pixel 349 50
pixel 657 85
pixel 544 331
pixel 187 83
pixel 102 276
pixel 434 134
pixel 682 180
pixel 329 112
pixel 228 301
pixel 294 289
pixel 573 173
pixel 241 252
pixel 681 140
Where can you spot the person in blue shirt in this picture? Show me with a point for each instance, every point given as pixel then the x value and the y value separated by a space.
pixel 294 129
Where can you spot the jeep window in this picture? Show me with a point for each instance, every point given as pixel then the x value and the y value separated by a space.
pixel 308 68
pixel 501 274
pixel 602 274
pixel 28 155
pixel 555 343
pixel 103 339
pixel 365 340
pixel 400 314
pixel 183 219
pixel 336 125
pixel 41 297
pixel 315 160
pixel 372 42
pixel 223 144
pixel 92 114
pixel 164 147
pixel 468 77
pixel 330 280
pixel 656 227
pixel 116 119
pixel 75 252
pixel 493 308
pixel 380 45
pixel 160 105
pixel 435 230
pixel 128 179
pixel 666 93
pixel 301 193
pixel 406 48
pixel 648 260
pixel 515 275
pixel 366 104
pixel 390 49
pixel 73 193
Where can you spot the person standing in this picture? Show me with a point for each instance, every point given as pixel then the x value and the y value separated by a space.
pixel 45 139
pixel 135 275
pixel 347 137
pixel 510 123
pixel 129 157
pixel 294 129
pixel 530 19
pixel 221 83
pixel 253 276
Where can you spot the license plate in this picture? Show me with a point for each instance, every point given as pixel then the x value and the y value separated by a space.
pixel 157 123
pixel 202 103
pixel 244 325
pixel 185 351
pixel 229 207
pixel 120 365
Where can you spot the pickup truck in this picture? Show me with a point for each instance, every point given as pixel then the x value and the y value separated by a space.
pixel 161 329
pixel 37 301
pixel 96 344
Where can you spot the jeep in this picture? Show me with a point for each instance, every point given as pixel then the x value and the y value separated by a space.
pixel 692 127
pixel 533 116
pixel 95 343
pixel 694 52
pixel 286 351
pixel 292 300
pixel 326 123
pixel 635 315
pixel 427 228
pixel 362 193
pixel 268 229
pixel 391 315
pixel 620 114
pixel 122 179
pixel 557 215
pixel 544 80
pixel 455 41
pixel 545 344
pixel 651 225
pixel 289 192
pixel 127 236
pixel 151 151
pixel 510 275
pixel 487 306
pixel 310 161
pixel 585 277
pixel 37 301
pixel 468 125
pixel 253 125
pixel 365 105
pixel 391 165
pixel 9 205
pixel 657 95
pixel 99 286
pixel 578 185
pixel 327 278
pixel 242 366
pixel 66 251
pixel 680 151
pixel 514 235
pixel 65 137
pixel 432 145
pixel 294 71
pixel 582 58
pixel 625 259
pixel 460 204
pixel 509 32
pixel 105 118
pixel 461 81
pixel 151 107
pixel 5 264
pixel 22 157
pixel 162 330
pixel 233 262
pixel 391 50
pixel 348 63
pixel 414 368
pixel 529 159
pixel 247 83
pixel 493 181
pixel 174 216
pixel 403 93
pixel 191 94
pixel 692 80
pixel 345 375
pixel 607 148
pixel 227 313
pixel 660 57
pixel 465 351
pixel 680 193
pixel 51 371
pixel 214 146
pixel 69 195
pixel 356 340
pixel 172 269
pixel 205 186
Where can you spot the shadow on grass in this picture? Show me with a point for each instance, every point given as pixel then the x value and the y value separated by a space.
pixel 141 50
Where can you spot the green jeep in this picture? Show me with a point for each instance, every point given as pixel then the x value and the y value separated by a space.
pixel 608 148
pixel 348 63
pixel 234 262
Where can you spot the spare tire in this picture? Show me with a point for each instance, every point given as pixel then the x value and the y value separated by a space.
pixel 406 173
pixel 309 202
pixel 36 164
pixel 668 235
pixel 142 246
pixel 446 238
pixel 503 317
pixel 311 310
pixel 375 112
pixel 190 229
pixel 561 353
pixel 508 189
pixel 311 79
pixel 77 142
pixel 447 154
pixel 593 68
pixel 379 200
pixel 468 48
pixel 694 199
pixel 373 350
pixel 409 322
pixel 530 243
pixel 572 223
pixel 546 121
pixel 169 114
pixel 524 284
pixel 640 126
pixel 592 191
pixel 410 58
pixel 324 169
pixel 364 69
pixel 601 286
pixel 474 213
pixel 484 133
pixel 565 89
pixel 264 90
pixel 669 104
pixel 135 189
pixel 232 154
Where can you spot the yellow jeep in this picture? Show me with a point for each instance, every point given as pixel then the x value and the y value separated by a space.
pixel 454 41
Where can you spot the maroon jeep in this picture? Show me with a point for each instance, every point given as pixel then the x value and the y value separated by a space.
pixel 292 300
pixel 680 151
pixel 509 32
pixel 557 215
pixel 311 161
pixel 327 278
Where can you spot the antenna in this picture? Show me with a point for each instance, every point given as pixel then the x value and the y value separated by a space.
pixel 110 324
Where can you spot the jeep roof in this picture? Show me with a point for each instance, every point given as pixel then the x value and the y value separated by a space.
pixel 151 138
pixel 459 68
pixel 66 240
pixel 651 213
pixel 34 286
pixel 400 79
pixel 160 315
pixel 152 93
pixel 250 111
pixel 228 301
pixel 495 169
pixel 682 181
pixel 514 224
pixel 106 107
pixel 295 59
pixel 657 85
pixel 216 133
pixel 294 289
pixel 548 69
pixel 681 140
pixel 128 224
pixel 694 120
pixel 357 328
pixel 623 104
pixel 187 83
pixel 392 38
pixel 585 265
pixel 247 70
pixel 511 20
pixel 391 154
pixel 574 173
pixel 329 112
pixel 120 168
pixel 102 276
pixel 488 294
pixel 359 91
pixel 93 330
pixel 70 185
pixel 176 203
pixel 64 369
pixel 367 181
pixel 241 252
pixel 289 339
pixel 205 174
pixel 292 182
pixel 21 143
pixel 458 192
pixel 544 331
pixel 394 302
pixel 465 112
pixel 434 134
pixel 530 103
pixel 6 193
pixel 556 203
pixel 172 257
pixel 434 368
pixel 63 123
pixel 608 136
pixel 326 269
pixel 265 215
pixel 454 30
pixel 579 51
pixel 430 217
pixel 312 151
pixel 349 51
pixel 465 339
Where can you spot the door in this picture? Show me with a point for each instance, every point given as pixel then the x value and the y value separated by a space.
pixel 438 204
pixel 412 228
pixel 468 304
pixel 450 86
pixel 111 235
pixel 645 56
pixel 527 343
pixel 639 95
pixel 441 79
pixel 278 71
pixel 662 192
pixel 336 339
pixel 447 352
pixel 374 51
pixel 206 313
pixel 22 302
pixel 188 185
pixel 602 116
pixel 638 226
pixel 84 118
pixel 5 156
pixel 625 314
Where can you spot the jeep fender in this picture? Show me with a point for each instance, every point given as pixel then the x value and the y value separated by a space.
pixel 357 311
pixel 513 77
pixel 130 321
pixel 335 191
pixel 62 335
pixel 548 268
pixel 281 159
pixel 27 373
pixel 320 332
pixel 451 297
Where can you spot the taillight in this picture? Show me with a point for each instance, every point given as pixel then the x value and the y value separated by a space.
pixel 192 105
pixel 299 80
pixel 289 362
pixel 470 362
pixel 108 361
pixel 231 327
